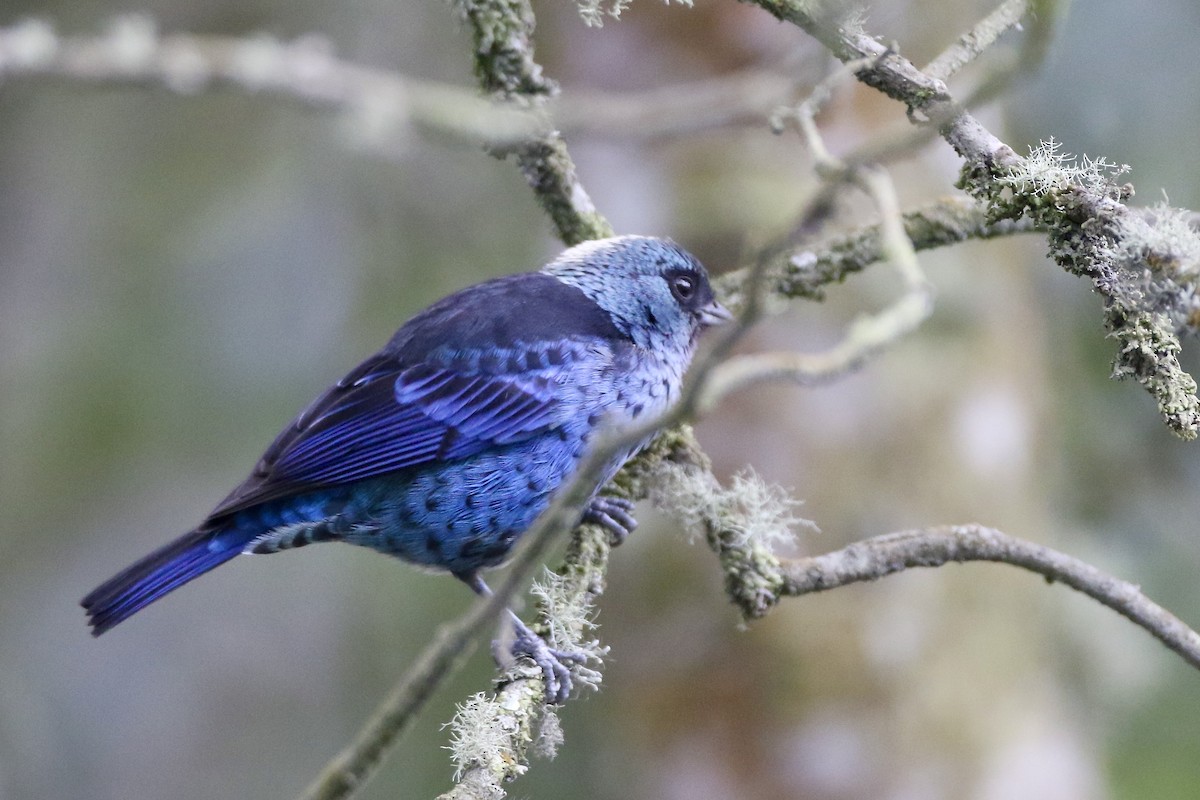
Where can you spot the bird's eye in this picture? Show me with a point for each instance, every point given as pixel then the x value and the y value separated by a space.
pixel 683 287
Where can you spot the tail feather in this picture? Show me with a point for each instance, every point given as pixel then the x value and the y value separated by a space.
pixel 163 571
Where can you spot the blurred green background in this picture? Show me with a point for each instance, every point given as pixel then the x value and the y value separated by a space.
pixel 179 275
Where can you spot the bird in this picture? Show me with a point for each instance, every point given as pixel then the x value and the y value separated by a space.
pixel 444 446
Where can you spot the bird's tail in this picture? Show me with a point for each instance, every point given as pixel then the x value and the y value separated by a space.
pixel 163 571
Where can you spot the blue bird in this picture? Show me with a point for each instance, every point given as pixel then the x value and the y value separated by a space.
pixel 443 447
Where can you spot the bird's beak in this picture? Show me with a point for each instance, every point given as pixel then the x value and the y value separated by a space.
pixel 714 314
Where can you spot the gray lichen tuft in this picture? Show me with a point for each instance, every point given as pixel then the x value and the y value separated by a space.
pixel 1145 264
pixel 744 524
pixel 481 736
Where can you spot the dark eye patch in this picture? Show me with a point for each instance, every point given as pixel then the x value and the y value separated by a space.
pixel 683 287
pixel 689 288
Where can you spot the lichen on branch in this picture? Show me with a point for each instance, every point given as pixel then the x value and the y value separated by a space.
pixel 1145 266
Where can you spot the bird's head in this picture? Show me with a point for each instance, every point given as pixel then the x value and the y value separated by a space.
pixel 655 291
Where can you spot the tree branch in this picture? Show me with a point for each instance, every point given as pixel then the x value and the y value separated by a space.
pixel 1090 230
pixel 744 98
pixel 503 34
pixel 934 547
pixel 379 104
pixel 868 335
pixel 756 580
pixel 976 41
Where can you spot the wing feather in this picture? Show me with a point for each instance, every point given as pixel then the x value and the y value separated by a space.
pixel 405 407
pixel 393 419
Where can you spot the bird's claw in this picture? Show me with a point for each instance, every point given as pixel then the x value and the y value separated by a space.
pixel 554 664
pixel 612 514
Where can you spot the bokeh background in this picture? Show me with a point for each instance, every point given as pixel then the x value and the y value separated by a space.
pixel 179 275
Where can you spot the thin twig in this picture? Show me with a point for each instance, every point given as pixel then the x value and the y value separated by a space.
pixel 743 98
pixel 976 41
pixel 381 105
pixel 866 337
pixel 354 765
pixel 1040 25
pixel 885 555
pixel 869 334
pixel 756 580
pixel 805 116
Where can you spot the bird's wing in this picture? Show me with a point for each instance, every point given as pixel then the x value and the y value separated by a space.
pixel 386 416
pixel 412 404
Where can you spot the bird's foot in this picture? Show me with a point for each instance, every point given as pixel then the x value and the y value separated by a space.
pixel 554 664
pixel 612 514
